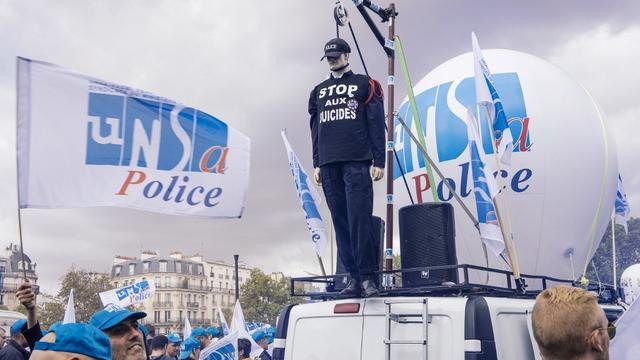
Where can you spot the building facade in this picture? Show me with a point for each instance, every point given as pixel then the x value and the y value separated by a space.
pixel 12 275
pixel 186 287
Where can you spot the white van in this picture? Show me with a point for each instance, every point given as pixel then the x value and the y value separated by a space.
pixel 392 327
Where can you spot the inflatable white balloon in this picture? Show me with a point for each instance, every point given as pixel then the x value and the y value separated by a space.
pixel 561 184
pixel 630 283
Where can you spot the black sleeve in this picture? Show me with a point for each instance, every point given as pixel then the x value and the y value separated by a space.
pixel 32 335
pixel 375 123
pixel 313 123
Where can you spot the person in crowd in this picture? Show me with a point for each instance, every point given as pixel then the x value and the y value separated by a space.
pixel 173 348
pixel 159 346
pixel 190 349
pixel 213 333
pixel 261 339
pixel 201 335
pixel 2 335
pixel 568 323
pixel 127 341
pixel 244 349
pixel 15 347
pixel 73 342
pixel 145 335
pixel 348 137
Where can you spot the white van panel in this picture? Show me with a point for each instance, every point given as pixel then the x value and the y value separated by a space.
pixel 509 318
pixel 445 335
pixel 321 338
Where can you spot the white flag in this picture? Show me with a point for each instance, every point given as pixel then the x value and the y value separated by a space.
pixel 70 311
pixel 128 295
pixel 85 142
pixel 485 190
pixel 223 349
pixel 223 322
pixel 308 198
pixel 187 328
pixel 487 98
pixel 238 326
pixel 626 345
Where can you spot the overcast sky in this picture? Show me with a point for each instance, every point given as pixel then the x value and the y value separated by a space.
pixel 252 64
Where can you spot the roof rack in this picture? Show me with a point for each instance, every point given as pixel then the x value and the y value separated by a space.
pixel 311 286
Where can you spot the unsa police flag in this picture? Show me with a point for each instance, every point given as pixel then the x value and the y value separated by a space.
pixel 308 197
pixel 85 142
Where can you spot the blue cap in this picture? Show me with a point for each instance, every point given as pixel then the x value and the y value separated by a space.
pixel 174 338
pixel 82 339
pixel 198 332
pixel 16 328
pixel 188 346
pixel 213 331
pixel 258 335
pixel 55 325
pixel 106 319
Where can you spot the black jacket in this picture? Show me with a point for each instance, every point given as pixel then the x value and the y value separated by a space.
pixel 13 351
pixel 347 120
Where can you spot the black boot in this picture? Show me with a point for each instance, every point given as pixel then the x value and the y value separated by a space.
pixel 352 289
pixel 369 288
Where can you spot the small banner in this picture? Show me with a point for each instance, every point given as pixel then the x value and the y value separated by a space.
pixel 128 295
pixel 85 142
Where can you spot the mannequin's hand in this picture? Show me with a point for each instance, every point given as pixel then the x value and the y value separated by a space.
pixel 316 176
pixel 377 173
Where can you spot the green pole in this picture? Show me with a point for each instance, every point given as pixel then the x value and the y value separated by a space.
pixel 414 111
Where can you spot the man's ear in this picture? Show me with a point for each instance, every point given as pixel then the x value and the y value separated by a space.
pixel 596 341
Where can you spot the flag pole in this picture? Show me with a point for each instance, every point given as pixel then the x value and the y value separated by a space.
pixel 613 251
pixel 506 235
pixel 24 270
pixel 324 273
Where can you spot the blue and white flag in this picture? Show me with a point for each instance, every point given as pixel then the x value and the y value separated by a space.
pixel 625 346
pixel 238 326
pixel 85 142
pixel 622 205
pixel 223 322
pixel 128 295
pixel 484 190
pixel 487 97
pixel 223 349
pixel 308 197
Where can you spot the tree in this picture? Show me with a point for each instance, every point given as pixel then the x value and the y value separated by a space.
pixel 86 286
pixel 627 253
pixel 262 297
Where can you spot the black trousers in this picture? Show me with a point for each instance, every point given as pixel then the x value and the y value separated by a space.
pixel 348 189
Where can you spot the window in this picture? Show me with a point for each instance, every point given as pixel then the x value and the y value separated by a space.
pixel 220 284
pixel 158 281
pixel 213 299
pixel 226 285
pixel 3 265
pixel 116 284
pixel 117 270
pixel 188 314
pixel 167 298
pixel 157 297
pixel 201 285
pixel 202 315
pixel 189 268
pixel 1 299
pixel 200 270
pixel 211 283
pixel 167 316
pixel 188 298
pixel 180 314
pixel 156 316
pixel 181 299
pixel 178 266
pixel 163 266
pixel 132 269
pixel 145 267
pixel 220 276
pixel 167 281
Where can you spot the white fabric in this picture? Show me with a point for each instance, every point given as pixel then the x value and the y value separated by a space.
pixel 223 349
pixel 187 328
pixel 238 326
pixel 70 311
pixel 625 346
pixel 85 142
pixel 128 295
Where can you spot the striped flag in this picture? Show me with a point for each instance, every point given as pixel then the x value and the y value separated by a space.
pixel 484 190
pixel 622 205
pixel 487 97
pixel 308 197
pixel 223 322
pixel 223 349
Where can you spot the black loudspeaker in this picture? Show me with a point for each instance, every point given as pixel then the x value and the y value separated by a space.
pixel 427 238
pixel 378 233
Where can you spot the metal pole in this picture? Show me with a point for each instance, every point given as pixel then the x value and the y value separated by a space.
pixel 18 105
pixel 235 259
pixel 388 262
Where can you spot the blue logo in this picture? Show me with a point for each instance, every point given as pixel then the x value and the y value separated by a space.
pixel 444 107
pixel 146 132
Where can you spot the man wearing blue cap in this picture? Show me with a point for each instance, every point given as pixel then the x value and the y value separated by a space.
pixel 173 349
pixel 14 348
pixel 201 335
pixel 73 341
pixel 213 333
pixel 190 349
pixel 127 342
pixel 261 339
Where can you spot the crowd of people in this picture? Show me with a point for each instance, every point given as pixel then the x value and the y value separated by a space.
pixel 112 334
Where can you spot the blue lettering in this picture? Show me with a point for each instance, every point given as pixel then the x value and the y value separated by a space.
pixel 190 196
pixel 212 194
pixel 519 177
pixel 441 187
pixel 149 186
